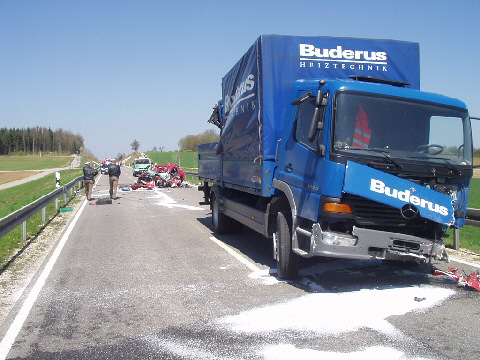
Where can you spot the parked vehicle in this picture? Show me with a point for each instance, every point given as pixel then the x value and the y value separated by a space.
pixel 329 148
pixel 105 164
pixel 140 165
pixel 104 168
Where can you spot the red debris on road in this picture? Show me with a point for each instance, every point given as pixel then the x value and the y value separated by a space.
pixel 471 281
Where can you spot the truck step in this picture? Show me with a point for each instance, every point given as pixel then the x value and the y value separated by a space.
pixel 303 232
pixel 297 249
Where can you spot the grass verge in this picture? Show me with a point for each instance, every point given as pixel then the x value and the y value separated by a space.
pixel 14 198
pixel 469 239
pixel 469 235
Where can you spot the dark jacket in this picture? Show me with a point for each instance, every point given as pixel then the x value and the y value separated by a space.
pixel 114 170
pixel 89 173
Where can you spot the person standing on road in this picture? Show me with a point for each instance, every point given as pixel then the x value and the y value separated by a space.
pixel 89 174
pixel 113 175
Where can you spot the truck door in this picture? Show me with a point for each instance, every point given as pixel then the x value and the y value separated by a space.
pixel 302 164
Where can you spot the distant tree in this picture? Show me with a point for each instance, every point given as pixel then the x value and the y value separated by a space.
pixel 191 142
pixel 160 148
pixel 135 145
pixel 154 149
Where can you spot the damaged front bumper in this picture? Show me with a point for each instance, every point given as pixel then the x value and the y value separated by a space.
pixel 368 244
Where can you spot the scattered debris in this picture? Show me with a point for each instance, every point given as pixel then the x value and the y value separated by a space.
pixel 104 201
pixel 169 176
pixel 419 299
pixel 471 281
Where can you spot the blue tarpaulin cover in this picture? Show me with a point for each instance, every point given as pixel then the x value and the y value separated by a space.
pixel 256 91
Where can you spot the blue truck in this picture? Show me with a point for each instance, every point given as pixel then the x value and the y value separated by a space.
pixel 329 148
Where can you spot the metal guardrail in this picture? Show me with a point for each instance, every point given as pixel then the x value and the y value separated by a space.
pixel 473 219
pixel 20 217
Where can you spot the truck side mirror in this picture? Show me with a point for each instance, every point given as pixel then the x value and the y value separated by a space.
pixel 316 124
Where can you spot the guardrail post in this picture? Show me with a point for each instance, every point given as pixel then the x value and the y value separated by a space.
pixel 24 230
pixel 56 203
pixel 456 241
pixel 44 214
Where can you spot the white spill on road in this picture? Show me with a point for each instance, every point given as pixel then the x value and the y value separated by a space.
pixel 277 352
pixel 167 201
pixel 331 314
pixel 335 313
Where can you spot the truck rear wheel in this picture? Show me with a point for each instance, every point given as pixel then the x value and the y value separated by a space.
pixel 287 260
pixel 220 222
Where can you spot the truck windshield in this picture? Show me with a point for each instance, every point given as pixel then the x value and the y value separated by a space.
pixel 402 129
pixel 142 162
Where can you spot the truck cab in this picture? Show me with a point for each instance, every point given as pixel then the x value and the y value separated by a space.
pixel 373 170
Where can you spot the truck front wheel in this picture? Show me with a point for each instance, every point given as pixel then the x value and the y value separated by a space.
pixel 287 260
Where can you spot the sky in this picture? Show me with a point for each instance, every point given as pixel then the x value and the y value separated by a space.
pixel 116 71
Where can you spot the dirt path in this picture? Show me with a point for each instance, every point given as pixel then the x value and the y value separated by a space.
pixel 75 164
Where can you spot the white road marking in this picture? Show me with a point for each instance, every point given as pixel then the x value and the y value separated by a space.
pixel 22 315
pixel 252 266
pixel 464 262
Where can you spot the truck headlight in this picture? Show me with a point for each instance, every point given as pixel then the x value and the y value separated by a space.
pixel 340 239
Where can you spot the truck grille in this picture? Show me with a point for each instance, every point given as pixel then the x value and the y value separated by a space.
pixel 370 213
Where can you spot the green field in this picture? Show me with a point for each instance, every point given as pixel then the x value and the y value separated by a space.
pixel 474 197
pixel 19 163
pixel 186 160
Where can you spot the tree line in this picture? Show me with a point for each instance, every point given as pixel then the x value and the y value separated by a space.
pixel 191 142
pixel 38 140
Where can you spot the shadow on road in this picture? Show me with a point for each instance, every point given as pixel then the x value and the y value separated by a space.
pixel 330 274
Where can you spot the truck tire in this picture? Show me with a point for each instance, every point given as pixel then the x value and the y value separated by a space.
pixel 220 222
pixel 287 260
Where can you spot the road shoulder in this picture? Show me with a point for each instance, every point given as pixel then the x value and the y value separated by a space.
pixel 16 277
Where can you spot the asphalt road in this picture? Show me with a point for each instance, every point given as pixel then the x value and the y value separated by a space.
pixel 144 278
